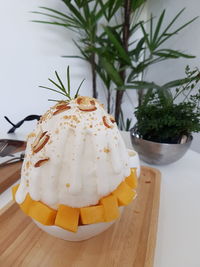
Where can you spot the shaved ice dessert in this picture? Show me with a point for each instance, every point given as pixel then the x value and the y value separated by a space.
pixel 77 173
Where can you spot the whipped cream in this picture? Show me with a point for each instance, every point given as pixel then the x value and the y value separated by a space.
pixel 74 157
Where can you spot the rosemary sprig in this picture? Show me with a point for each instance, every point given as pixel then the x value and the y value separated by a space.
pixel 60 88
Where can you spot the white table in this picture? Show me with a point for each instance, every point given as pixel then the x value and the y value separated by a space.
pixel 178 239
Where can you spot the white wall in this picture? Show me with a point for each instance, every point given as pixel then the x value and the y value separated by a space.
pixel 30 52
pixel 29 55
pixel 188 40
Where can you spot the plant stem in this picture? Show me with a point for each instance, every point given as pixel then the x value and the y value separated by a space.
pixel 126 35
pixel 108 100
pixel 94 76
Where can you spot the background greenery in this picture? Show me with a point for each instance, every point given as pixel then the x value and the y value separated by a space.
pixel 162 118
pixel 119 46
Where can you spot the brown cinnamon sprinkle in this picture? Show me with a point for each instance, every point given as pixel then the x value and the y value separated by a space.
pixel 106 150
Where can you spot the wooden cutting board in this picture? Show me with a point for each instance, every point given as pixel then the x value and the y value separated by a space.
pixel 130 242
pixel 9 174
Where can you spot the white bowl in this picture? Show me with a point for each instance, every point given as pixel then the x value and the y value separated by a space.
pixel 84 231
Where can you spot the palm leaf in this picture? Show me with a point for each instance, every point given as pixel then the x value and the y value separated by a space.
pixel 170 53
pixel 115 41
pixel 158 26
pixel 112 72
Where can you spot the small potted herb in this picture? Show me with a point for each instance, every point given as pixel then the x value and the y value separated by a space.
pixel 166 120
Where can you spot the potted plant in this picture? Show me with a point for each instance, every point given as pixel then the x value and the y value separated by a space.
pixel 117 43
pixel 166 120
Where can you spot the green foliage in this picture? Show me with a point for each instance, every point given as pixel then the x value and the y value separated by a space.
pixel 60 88
pixel 161 118
pixel 108 40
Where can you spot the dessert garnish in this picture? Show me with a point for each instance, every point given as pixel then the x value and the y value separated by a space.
pixel 41 162
pixel 40 141
pixel 61 89
pixel 86 104
pixel 60 108
pixel 108 121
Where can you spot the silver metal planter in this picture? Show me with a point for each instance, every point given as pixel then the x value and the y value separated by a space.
pixel 158 153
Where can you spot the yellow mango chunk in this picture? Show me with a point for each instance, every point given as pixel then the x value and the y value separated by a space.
pixel 93 214
pixel 25 206
pixel 131 180
pixel 14 190
pixel 42 213
pixel 67 218
pixel 111 210
pixel 124 194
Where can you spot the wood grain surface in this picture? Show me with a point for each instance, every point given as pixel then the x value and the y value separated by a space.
pixel 130 242
pixel 9 174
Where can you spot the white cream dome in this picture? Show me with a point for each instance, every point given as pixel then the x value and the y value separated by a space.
pixel 75 156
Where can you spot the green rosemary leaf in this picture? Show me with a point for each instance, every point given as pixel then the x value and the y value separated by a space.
pixel 54 100
pixel 64 90
pixel 57 85
pixel 76 95
pixel 48 88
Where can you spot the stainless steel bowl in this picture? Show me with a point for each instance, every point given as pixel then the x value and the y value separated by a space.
pixel 158 153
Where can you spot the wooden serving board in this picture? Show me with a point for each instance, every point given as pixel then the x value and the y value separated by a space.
pixel 9 174
pixel 130 242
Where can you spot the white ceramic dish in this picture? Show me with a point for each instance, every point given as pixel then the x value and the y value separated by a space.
pixel 84 232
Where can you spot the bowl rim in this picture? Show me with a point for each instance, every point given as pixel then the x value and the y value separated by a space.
pixel 189 140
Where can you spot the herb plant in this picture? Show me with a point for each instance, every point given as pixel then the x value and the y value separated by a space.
pixel 61 89
pixel 164 117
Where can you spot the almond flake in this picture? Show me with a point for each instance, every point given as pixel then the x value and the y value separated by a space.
pixel 107 122
pixel 86 104
pixel 41 162
pixel 61 108
pixel 41 142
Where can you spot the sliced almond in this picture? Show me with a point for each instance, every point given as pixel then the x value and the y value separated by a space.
pixel 86 104
pixel 61 107
pixel 38 137
pixel 41 143
pixel 79 99
pixel 41 162
pixel 87 109
pixel 46 116
pixel 108 121
pixel 112 119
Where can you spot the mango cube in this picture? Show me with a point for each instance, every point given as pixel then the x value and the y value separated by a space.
pixel 42 213
pixel 14 190
pixel 131 180
pixel 67 218
pixel 28 202
pixel 111 210
pixel 93 214
pixel 124 194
